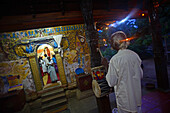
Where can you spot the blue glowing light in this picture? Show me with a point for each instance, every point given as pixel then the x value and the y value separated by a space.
pixel 131 21
pixel 113 25
pixel 135 26
pixel 125 19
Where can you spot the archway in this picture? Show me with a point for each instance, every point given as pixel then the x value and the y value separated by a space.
pixel 47 65
pixel 28 49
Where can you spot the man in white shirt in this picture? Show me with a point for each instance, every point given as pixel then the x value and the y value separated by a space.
pixel 124 74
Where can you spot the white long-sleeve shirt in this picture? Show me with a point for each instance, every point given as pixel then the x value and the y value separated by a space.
pixel 125 73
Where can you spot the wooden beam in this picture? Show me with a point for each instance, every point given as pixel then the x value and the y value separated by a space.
pixel 23 22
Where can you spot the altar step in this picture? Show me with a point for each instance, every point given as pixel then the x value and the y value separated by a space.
pixel 53 100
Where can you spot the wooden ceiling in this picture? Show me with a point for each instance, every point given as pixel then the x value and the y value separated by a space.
pixel 31 14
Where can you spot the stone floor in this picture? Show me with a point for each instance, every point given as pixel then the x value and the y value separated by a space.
pixel 156 102
pixel 153 100
pixel 149 73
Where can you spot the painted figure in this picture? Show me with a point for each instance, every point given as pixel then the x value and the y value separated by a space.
pixel 51 70
pixel 43 64
pixel 46 62
pixel 47 51
pixel 55 65
pixel 45 59
pixel 44 69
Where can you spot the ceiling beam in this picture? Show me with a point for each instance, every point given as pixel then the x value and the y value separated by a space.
pixel 25 22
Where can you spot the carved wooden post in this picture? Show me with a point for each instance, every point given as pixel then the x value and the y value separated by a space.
pixel 60 68
pixel 91 33
pixel 159 55
pixel 35 71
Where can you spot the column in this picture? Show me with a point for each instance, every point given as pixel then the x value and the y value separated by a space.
pixel 60 68
pixel 91 33
pixel 35 71
pixel 158 49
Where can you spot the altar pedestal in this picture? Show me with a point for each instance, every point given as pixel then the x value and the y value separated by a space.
pixel 84 82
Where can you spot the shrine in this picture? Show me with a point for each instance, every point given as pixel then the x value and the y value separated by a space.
pixel 51 54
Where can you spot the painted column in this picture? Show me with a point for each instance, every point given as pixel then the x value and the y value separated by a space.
pixel 35 71
pixel 91 33
pixel 60 68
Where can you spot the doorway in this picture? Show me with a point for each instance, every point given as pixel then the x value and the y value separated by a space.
pixel 47 65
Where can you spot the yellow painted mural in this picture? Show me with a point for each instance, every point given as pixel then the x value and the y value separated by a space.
pixel 75 50
pixel 14 73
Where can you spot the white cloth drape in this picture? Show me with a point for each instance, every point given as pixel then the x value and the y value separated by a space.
pixel 58 39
